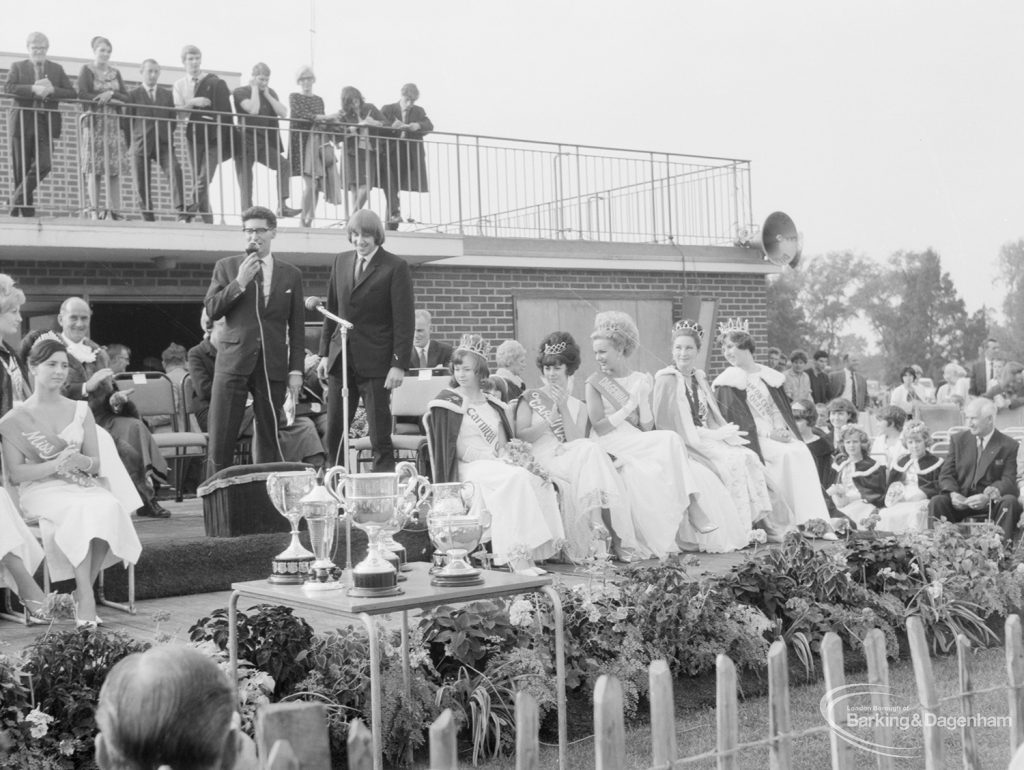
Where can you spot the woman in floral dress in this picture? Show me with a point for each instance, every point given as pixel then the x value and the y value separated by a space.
pixel 102 145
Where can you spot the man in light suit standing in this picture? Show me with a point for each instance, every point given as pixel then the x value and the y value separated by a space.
pixel 261 349
pixel 372 289
pixel 37 86
pixel 849 383
pixel 152 110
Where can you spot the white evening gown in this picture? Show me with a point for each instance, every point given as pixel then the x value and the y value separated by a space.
pixel 588 482
pixel 16 539
pixel 70 516
pixel 519 510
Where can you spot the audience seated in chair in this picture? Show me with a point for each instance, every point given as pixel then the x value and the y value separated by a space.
pixel 979 475
pixel 170 707
pixel 508 378
pixel 426 352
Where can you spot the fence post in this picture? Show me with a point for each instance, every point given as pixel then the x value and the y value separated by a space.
pixel 527 728
pixel 878 679
pixel 780 751
pixel 925 692
pixel 832 665
pixel 727 712
pixel 360 746
pixel 663 722
pixel 282 757
pixel 1015 677
pixel 609 727
pixel 443 749
pixel 970 745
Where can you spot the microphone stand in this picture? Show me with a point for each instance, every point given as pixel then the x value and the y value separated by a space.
pixel 343 327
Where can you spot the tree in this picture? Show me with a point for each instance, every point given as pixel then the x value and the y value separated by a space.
pixel 1011 280
pixel 830 285
pixel 917 313
pixel 788 328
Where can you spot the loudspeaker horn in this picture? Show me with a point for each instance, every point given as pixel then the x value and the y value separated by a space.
pixel 780 241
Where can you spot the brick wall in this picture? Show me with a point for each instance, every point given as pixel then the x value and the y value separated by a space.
pixel 461 299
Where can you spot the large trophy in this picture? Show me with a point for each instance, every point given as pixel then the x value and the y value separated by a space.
pixel 455 531
pixel 320 510
pixel 285 490
pixel 379 504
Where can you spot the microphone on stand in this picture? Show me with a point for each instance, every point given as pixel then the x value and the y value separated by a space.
pixel 317 304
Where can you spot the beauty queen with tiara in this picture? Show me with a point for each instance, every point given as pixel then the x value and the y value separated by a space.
pixel 595 505
pixel 470 436
pixel 669 509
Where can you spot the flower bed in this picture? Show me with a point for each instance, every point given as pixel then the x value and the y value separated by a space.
pixel 473 658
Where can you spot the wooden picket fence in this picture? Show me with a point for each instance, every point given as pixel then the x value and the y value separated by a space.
pixel 609 724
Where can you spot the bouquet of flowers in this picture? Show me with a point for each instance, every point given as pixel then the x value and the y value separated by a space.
pixel 518 452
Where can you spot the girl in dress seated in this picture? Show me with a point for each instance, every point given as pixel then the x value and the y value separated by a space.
pixel 594 500
pixel 857 483
pixel 841 412
pixel 470 430
pixel 913 481
pixel 50 452
pixel 684 403
pixel 751 396
pixel 805 416
pixel 665 496
pixel 887 445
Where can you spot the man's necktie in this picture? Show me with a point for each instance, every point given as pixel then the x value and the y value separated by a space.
pixel 195 85
pixel 853 390
pixel 40 73
pixel 423 357
pixel 152 94
pixel 360 267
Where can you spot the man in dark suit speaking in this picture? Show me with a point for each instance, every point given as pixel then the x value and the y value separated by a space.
pixel 372 289
pixel 980 471
pixel 152 111
pixel 261 350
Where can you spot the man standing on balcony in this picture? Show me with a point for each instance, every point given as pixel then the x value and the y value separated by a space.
pixel 210 134
pixel 37 85
pixel 152 111
pixel 258 109
pixel 402 161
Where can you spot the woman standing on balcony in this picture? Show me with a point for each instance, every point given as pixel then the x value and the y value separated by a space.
pixel 311 153
pixel 101 147
pixel 359 172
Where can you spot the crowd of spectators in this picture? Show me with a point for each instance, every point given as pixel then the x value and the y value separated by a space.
pixel 375 147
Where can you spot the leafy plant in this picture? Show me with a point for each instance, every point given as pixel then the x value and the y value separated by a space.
pixel 272 639
pixel 466 635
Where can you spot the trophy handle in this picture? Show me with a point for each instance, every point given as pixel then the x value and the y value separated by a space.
pixel 467 492
pixel 335 481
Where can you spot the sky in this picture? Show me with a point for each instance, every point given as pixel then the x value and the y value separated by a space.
pixel 878 125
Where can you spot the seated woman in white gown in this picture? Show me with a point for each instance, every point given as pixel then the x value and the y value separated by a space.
pixel 751 396
pixel 470 430
pixel 684 403
pixel 594 500
pixel 50 451
pixel 671 510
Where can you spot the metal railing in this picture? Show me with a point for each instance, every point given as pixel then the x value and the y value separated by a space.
pixel 445 183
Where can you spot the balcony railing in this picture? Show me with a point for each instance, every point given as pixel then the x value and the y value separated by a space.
pixel 478 185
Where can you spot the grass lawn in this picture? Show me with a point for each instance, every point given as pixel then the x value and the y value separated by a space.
pixel 695 723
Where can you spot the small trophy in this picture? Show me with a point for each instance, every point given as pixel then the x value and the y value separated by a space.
pixel 320 510
pixel 286 489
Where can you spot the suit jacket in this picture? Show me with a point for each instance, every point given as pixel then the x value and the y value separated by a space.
pixel 406 158
pixel 259 130
pixel 203 124
pixel 152 120
pixel 282 319
pixel 979 378
pixel 380 307
pixel 20 80
pixel 819 385
pixel 965 473
pixel 837 384
pixel 438 354
pixel 201 362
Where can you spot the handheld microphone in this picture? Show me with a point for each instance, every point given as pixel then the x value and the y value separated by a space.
pixel 317 304
pixel 252 248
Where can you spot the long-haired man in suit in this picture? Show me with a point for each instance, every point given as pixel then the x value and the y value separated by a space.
pixel 372 289
pixel 37 84
pixel 152 111
pixel 261 349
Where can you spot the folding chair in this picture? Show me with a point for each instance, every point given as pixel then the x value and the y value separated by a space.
pixel 153 396
pixel 409 400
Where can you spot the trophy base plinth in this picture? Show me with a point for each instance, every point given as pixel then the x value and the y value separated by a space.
pixel 315 586
pixel 377 582
pixel 370 593
pixel 290 571
pixel 442 580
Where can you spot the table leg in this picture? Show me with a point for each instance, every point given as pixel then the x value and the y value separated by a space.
pixel 563 719
pixel 406 673
pixel 375 691
pixel 233 639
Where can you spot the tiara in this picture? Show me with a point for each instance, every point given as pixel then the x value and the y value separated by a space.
pixel 475 344
pixel 686 325
pixel 553 350
pixel 734 325
pixel 50 335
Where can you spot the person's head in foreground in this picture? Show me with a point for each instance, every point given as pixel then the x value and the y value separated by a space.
pixel 169 707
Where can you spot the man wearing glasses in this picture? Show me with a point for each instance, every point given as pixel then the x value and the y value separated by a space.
pixel 262 347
